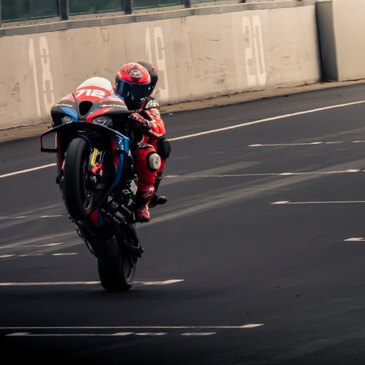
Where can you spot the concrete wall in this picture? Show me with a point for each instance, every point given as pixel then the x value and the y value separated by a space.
pixel 342 27
pixel 197 57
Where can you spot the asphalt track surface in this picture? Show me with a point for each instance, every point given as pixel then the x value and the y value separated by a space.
pixel 258 257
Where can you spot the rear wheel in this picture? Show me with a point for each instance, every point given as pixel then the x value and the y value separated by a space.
pixel 117 273
pixel 76 188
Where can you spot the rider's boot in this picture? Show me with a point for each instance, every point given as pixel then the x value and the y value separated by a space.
pixel 143 200
pixel 157 199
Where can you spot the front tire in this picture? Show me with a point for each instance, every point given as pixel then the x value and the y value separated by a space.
pixel 78 197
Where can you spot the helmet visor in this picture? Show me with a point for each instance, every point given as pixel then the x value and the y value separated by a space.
pixel 132 92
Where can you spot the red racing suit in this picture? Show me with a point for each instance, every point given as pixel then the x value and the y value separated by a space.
pixel 150 150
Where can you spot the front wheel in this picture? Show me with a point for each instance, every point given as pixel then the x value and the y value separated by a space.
pixel 76 188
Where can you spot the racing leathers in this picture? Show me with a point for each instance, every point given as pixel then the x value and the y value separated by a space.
pixel 151 150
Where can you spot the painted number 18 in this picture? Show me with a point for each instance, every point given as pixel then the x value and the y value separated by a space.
pixel 40 62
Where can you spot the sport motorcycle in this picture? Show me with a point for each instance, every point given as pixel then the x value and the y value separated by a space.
pixel 97 179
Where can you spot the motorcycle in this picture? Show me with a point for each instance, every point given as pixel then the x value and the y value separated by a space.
pixel 97 179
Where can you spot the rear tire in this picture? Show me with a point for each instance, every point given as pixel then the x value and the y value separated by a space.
pixel 117 273
pixel 78 197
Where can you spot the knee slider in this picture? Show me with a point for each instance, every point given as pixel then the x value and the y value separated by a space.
pixel 153 161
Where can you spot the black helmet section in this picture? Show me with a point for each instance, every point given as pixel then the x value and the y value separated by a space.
pixel 153 73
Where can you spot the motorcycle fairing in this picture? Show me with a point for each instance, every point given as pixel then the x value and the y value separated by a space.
pixel 67 131
pixel 64 107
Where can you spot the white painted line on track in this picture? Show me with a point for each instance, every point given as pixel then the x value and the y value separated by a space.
pixel 173 327
pixel 165 282
pixel 61 283
pixel 197 334
pixel 148 331
pixel 264 120
pixel 37 239
pixel 31 216
pixel 355 239
pixel 300 144
pixel 39 254
pixel 252 325
pixel 27 170
pixel 48 283
pixel 120 334
pixel 14 217
pixel 287 202
pixel 51 216
pixel 28 334
pixel 65 254
pixel 15 334
pixel 52 244
pixel 284 174
pixel 30 255
pixel 286 144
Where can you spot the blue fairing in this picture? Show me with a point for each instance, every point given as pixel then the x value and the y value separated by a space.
pixel 118 174
pixel 100 219
pixel 70 112
pixel 123 147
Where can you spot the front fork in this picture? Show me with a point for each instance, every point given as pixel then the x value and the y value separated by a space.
pixel 96 161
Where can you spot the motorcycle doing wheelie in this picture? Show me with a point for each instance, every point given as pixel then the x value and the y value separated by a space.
pixel 97 178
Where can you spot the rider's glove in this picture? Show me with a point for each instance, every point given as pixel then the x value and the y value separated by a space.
pixel 140 123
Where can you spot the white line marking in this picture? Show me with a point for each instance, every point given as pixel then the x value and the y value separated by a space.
pixel 18 334
pixel 286 144
pixel 316 143
pixel 52 244
pixel 287 202
pixel 264 120
pixel 5 256
pixel 29 216
pixel 28 170
pixel 196 334
pixel 193 176
pixel 38 239
pixel 27 334
pixel 12 217
pixel 252 325
pixel 355 239
pixel 51 216
pixel 212 327
pixel 60 283
pixel 46 283
pixel 31 255
pixel 65 254
pixel 165 282
pixel 150 333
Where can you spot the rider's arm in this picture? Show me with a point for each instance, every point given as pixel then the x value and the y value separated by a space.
pixel 150 123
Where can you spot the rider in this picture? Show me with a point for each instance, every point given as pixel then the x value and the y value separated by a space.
pixel 135 83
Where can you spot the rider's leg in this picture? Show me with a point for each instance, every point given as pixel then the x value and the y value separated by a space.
pixel 148 163
pixel 158 199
